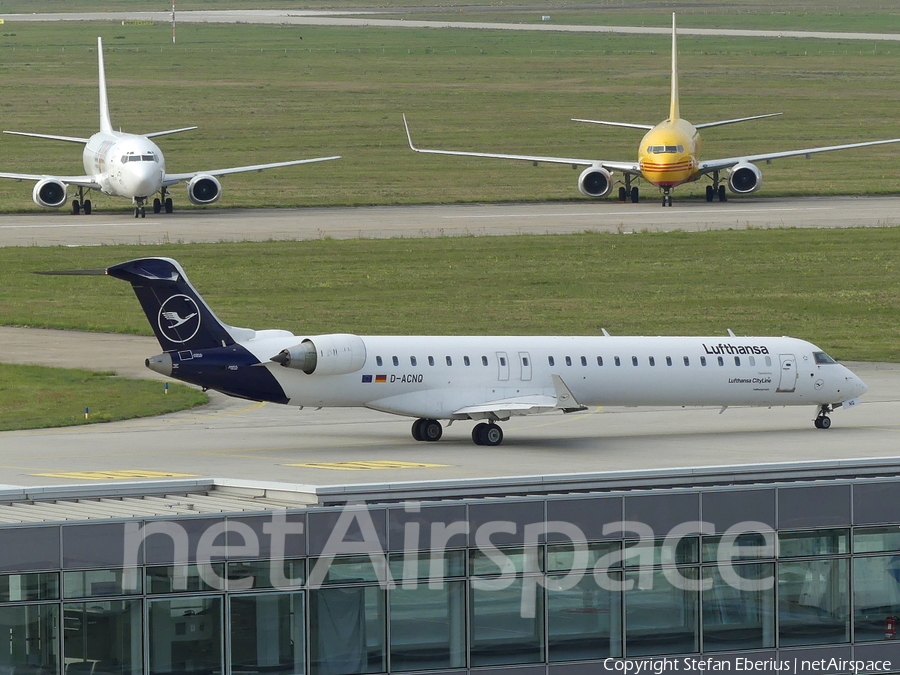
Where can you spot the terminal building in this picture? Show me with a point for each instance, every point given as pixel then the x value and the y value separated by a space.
pixel 552 575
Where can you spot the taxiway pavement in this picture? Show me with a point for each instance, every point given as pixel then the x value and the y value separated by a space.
pixel 216 225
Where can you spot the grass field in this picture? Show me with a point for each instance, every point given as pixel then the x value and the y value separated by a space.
pixel 264 93
pixel 837 288
pixel 32 397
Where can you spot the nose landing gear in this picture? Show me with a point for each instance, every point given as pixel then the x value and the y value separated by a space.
pixel 823 421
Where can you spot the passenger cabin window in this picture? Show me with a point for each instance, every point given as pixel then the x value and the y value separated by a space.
pixel 752 360
pixel 634 360
pixel 768 360
pixel 618 361
pixel 819 357
pixel 524 360
pixel 412 360
pixel 702 360
pixel 466 361
pixel 584 360
pixel 737 360
pixel 599 360
pixel 430 360
pixel 395 360
pixel 550 360
pixel 668 360
pixel 378 361
pixel 449 361
pixel 687 361
pixel 652 361
pixel 568 360
pixel 484 360
pixel 721 361
pixel 502 360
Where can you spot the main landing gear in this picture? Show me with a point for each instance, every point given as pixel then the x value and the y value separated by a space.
pixel 717 189
pixel 163 202
pixel 627 192
pixel 823 421
pixel 81 205
pixel 482 434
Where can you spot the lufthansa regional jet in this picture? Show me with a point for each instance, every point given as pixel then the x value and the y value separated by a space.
pixel 668 156
pixel 484 379
pixel 128 165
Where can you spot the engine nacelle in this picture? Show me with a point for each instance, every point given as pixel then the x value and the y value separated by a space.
pixel 745 178
pixel 50 192
pixel 595 181
pixel 336 354
pixel 204 189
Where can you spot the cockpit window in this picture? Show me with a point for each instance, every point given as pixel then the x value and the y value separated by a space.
pixel 822 357
pixel 139 158
pixel 664 149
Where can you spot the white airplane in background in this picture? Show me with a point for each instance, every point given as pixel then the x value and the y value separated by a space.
pixel 668 156
pixel 486 379
pixel 130 166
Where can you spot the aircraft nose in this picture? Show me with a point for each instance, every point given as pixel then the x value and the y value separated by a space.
pixel 142 179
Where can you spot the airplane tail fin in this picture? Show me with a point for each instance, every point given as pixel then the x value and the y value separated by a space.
pixel 177 314
pixel 105 123
pixel 674 112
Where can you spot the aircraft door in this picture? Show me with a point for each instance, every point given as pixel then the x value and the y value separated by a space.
pixel 788 379
pixel 503 365
pixel 525 363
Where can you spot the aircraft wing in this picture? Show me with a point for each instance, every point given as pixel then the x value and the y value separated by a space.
pixel 67 139
pixel 77 181
pixel 173 178
pixel 624 167
pixel 718 164
pixel 504 408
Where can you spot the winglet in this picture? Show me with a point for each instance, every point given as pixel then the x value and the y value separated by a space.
pixel 105 123
pixel 565 399
pixel 408 137
pixel 674 112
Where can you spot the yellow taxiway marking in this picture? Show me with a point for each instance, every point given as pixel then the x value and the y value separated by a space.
pixel 115 475
pixel 367 465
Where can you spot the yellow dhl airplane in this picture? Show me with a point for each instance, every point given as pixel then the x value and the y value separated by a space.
pixel 669 155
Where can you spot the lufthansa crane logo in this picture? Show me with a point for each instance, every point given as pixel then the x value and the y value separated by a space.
pixel 179 318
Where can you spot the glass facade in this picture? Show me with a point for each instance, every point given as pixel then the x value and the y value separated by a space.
pixel 522 601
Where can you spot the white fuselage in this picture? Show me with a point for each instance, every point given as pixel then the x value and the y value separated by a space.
pixel 124 165
pixel 432 377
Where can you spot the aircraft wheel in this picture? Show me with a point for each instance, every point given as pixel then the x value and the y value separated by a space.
pixel 417 430
pixel 623 193
pixel 430 430
pixel 143 211
pixel 88 207
pixel 168 204
pixel 710 193
pixel 478 433
pixel 723 197
pixel 137 212
pixel 823 422
pixel 157 205
pixel 493 435
pixel 634 195
pixel 76 207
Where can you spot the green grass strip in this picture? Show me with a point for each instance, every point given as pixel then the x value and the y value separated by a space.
pixel 35 397
pixel 837 288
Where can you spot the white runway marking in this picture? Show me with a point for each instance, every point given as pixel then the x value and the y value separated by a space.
pixel 627 213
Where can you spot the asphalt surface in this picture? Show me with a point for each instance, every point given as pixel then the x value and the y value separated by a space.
pixel 56 228
pixel 373 18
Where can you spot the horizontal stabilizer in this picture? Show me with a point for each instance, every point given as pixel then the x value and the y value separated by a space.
pixel 734 121
pixel 95 273
pixel 169 131
pixel 615 124
pixel 67 139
